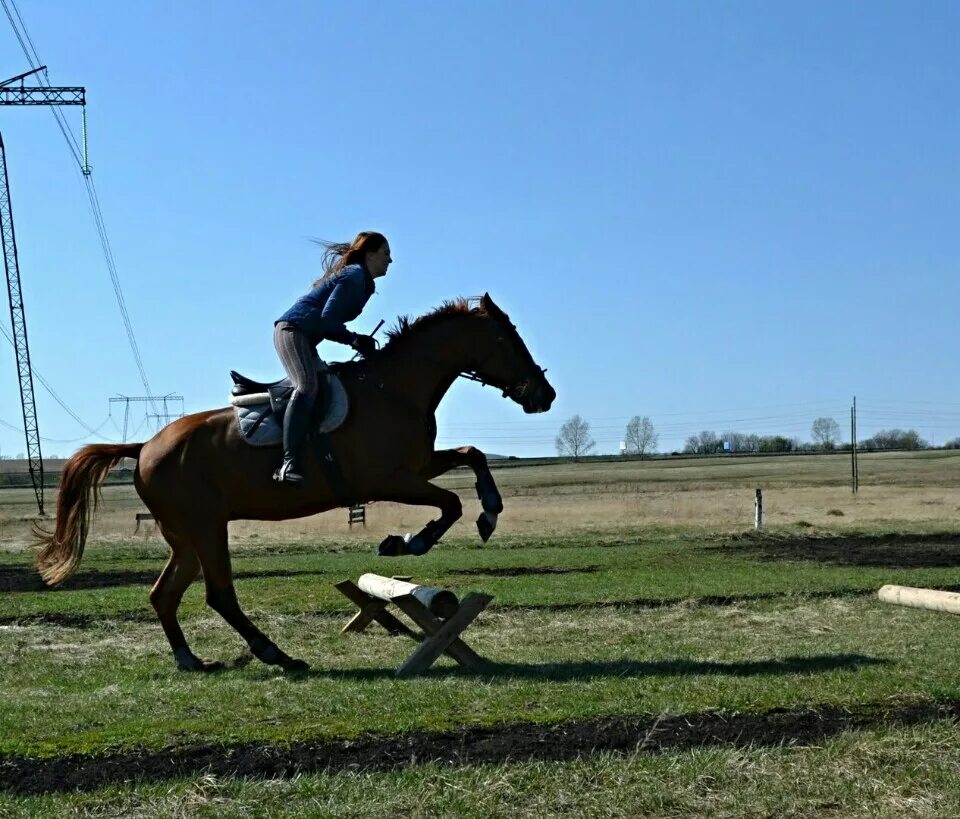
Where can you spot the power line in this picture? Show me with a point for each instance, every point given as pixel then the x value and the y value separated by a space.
pixel 94 203
pixel 53 394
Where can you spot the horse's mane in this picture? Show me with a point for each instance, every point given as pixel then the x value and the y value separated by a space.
pixel 406 326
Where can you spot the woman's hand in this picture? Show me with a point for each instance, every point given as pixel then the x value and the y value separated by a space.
pixel 365 345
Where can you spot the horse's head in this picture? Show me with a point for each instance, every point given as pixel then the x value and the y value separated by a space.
pixel 506 363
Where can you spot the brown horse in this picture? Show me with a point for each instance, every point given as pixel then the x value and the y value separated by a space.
pixel 198 473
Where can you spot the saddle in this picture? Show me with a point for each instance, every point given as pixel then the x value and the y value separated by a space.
pixel 260 406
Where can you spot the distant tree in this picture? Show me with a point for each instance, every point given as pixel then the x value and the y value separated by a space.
pixel 640 436
pixel 776 443
pixel 574 438
pixel 706 443
pixel 953 443
pixel 894 439
pixel 740 441
pixel 825 432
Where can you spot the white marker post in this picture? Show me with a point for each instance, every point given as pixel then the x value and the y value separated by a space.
pixel 758 520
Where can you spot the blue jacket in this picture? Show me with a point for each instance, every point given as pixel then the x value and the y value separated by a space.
pixel 323 312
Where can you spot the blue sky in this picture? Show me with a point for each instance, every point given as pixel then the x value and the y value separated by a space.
pixel 722 216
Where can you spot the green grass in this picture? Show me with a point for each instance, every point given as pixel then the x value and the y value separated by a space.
pixel 634 621
pixel 112 684
pixel 626 568
pixel 892 773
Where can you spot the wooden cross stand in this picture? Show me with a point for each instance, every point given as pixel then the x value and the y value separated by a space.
pixel 436 611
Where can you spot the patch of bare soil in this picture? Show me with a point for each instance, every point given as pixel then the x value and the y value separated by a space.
pixel 889 551
pixel 26 578
pixel 66 619
pixel 705 600
pixel 517 742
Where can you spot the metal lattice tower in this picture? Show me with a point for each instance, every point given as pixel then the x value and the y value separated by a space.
pixel 11 94
pixel 161 418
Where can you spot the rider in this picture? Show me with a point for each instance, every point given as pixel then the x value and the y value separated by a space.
pixel 337 297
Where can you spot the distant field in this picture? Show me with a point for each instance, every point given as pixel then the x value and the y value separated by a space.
pixel 650 654
pixel 897 490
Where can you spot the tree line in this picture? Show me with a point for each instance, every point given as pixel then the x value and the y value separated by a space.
pixel 641 438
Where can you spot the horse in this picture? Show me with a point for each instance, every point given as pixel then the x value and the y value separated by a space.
pixel 198 473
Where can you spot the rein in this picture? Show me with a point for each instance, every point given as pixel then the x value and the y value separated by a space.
pixel 518 390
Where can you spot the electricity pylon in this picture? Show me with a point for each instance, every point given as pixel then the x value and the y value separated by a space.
pixel 15 92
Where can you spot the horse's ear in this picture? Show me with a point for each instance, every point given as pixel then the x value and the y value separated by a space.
pixel 489 306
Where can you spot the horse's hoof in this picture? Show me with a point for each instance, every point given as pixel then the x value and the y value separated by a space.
pixel 188 661
pixel 267 652
pixel 295 666
pixel 486 523
pixel 393 546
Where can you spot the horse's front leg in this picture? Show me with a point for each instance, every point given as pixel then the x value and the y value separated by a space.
pixel 443 460
pixel 417 491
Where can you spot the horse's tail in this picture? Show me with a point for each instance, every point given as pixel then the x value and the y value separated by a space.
pixel 79 484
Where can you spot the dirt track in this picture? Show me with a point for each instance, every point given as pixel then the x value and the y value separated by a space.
pixel 892 551
pixel 469 746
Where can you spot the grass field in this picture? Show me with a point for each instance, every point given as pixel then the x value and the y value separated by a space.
pixel 649 654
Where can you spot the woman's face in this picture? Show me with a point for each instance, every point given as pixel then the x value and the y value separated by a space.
pixel 378 261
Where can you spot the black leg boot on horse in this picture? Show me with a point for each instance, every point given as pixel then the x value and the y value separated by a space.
pixel 296 424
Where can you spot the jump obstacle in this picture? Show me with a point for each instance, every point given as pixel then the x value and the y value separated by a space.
pixel 357 514
pixel 142 516
pixel 436 611
pixel 921 598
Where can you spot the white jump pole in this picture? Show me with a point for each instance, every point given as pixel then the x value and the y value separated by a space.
pixel 441 602
pixel 758 518
pixel 921 598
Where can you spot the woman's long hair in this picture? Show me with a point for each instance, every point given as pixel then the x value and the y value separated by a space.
pixel 337 255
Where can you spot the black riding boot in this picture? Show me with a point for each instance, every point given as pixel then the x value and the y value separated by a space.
pixel 296 422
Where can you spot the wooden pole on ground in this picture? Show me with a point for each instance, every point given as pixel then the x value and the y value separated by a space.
pixel 921 598
pixel 441 602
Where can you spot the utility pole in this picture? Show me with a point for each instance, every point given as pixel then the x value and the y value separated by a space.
pixel 13 94
pixel 854 464
pixel 165 416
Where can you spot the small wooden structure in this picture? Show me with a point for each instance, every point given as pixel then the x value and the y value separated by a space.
pixel 921 598
pixel 437 612
pixel 357 514
pixel 141 517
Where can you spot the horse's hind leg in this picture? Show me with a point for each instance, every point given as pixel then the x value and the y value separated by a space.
pixel 222 598
pixel 181 570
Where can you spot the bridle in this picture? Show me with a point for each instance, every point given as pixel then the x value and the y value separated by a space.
pixel 517 391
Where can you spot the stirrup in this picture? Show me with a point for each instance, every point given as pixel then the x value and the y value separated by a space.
pixel 288 473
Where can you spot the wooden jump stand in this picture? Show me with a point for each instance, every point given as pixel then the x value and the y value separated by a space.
pixel 357 514
pixel 436 611
pixel 141 517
